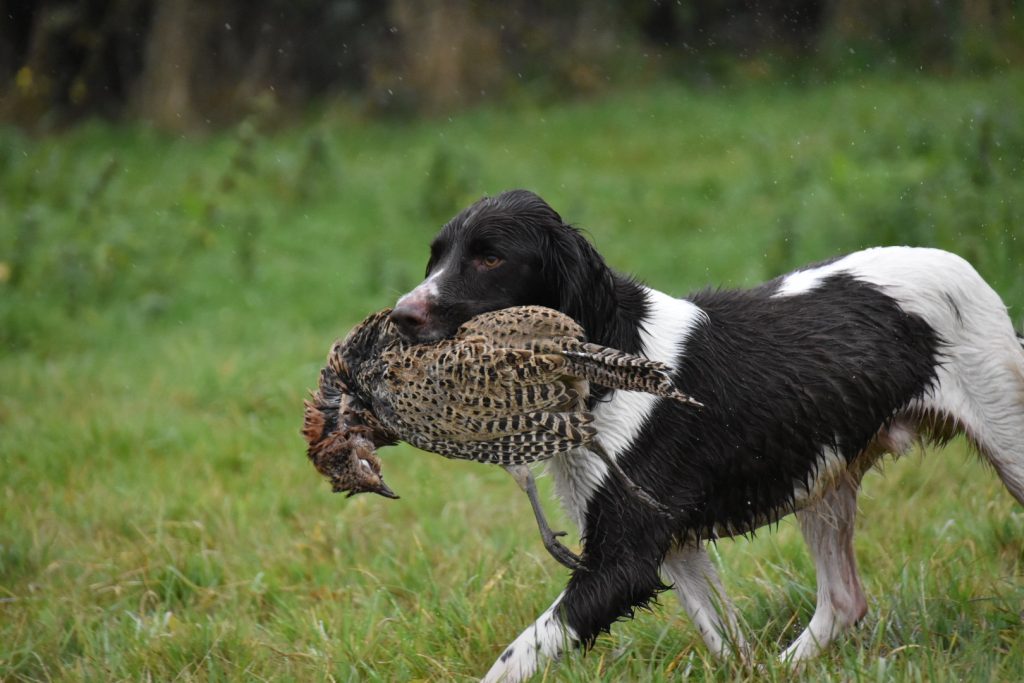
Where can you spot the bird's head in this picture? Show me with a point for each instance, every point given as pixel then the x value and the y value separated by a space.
pixel 360 471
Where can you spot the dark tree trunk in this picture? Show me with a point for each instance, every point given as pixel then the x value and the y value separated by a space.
pixel 164 92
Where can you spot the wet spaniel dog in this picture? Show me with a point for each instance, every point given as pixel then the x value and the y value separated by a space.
pixel 806 381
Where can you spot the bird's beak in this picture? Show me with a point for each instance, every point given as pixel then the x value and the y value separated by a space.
pixel 386 492
pixel 382 490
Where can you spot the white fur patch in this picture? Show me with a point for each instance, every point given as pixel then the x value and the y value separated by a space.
pixel 663 334
pixel 804 281
pixel 880 261
pixel 426 290
pixel 545 638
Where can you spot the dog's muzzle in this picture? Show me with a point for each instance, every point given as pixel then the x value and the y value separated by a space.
pixel 412 314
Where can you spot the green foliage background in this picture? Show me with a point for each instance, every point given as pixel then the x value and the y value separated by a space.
pixel 165 303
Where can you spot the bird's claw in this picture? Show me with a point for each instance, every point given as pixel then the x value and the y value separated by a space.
pixel 565 557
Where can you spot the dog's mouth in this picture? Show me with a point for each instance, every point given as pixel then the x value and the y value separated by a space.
pixel 417 327
pixel 422 335
pixel 429 323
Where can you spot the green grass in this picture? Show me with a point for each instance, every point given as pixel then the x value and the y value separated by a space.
pixel 165 304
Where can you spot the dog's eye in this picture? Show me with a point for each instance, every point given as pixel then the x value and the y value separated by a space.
pixel 491 261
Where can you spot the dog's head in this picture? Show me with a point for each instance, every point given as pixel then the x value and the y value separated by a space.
pixel 508 250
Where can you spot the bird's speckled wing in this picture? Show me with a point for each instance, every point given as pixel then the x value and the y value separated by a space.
pixel 472 366
pixel 528 409
pixel 471 378
pixel 524 327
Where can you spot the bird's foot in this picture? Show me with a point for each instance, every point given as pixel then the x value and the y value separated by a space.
pixel 558 551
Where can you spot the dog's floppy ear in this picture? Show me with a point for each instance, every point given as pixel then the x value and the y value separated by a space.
pixel 574 270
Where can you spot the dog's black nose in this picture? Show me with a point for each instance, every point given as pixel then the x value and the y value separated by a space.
pixel 410 316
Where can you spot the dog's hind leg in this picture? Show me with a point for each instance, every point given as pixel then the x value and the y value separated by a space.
pixel 980 391
pixel 979 385
pixel 827 526
pixel 703 597
pixel 997 398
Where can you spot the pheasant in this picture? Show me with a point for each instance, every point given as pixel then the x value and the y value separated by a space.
pixel 510 388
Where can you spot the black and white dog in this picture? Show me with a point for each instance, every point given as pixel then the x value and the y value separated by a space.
pixel 806 381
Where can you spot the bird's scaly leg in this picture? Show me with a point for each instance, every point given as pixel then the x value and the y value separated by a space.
pixel 639 492
pixel 524 477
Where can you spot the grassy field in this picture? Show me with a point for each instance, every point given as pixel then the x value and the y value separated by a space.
pixel 165 303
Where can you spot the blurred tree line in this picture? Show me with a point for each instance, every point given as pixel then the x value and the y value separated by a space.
pixel 181 63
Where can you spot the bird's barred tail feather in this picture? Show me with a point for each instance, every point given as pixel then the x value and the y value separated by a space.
pixel 617 370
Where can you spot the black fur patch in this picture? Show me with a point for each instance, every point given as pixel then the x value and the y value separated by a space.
pixel 781 379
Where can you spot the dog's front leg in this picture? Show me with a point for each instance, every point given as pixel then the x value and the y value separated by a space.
pixel 619 573
pixel 546 638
